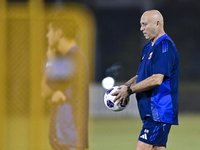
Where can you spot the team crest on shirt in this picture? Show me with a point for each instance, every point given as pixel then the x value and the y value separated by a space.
pixel 150 55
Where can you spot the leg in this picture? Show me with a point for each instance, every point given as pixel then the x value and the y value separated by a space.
pixel 143 146
pixel 77 148
pixel 159 148
pixel 153 135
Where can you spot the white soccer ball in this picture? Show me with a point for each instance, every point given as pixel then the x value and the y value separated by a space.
pixel 108 100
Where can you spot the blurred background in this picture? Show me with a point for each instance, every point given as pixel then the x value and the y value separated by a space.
pixel 109 36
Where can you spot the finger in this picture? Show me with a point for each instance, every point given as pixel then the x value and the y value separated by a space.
pixel 116 98
pixel 54 102
pixel 119 101
pixel 115 93
pixel 119 87
pixel 64 100
pixel 63 97
pixel 124 101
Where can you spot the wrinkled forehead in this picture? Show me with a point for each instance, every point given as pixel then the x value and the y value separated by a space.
pixel 145 18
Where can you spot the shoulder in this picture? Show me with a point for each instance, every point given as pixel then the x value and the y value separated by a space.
pixel 166 45
pixel 147 45
pixel 165 41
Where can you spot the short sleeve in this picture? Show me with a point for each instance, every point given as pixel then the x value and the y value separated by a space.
pixel 163 58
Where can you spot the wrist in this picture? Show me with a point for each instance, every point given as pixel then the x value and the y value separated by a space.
pixel 129 91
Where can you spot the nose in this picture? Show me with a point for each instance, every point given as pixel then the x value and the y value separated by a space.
pixel 141 28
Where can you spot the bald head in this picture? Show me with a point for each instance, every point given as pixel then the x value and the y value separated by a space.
pixel 152 25
pixel 154 15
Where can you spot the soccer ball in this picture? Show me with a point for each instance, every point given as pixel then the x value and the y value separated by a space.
pixel 108 100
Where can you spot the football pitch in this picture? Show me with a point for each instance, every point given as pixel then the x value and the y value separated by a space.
pixel 122 133
pixel 108 133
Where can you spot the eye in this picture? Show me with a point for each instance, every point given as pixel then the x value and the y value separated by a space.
pixel 144 24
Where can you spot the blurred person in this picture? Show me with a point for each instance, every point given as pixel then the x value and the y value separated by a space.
pixel 155 84
pixel 65 85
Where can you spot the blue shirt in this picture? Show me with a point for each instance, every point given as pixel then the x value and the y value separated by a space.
pixel 161 102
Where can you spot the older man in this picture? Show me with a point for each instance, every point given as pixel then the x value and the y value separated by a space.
pixel 155 84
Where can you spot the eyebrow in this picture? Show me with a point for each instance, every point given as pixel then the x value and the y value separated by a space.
pixel 143 22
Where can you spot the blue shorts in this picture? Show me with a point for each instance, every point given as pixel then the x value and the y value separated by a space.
pixel 154 133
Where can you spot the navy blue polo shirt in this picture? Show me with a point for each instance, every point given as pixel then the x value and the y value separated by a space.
pixel 161 102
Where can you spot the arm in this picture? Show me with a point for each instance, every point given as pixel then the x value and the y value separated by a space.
pixel 147 84
pixel 132 81
pixel 46 91
pixel 55 97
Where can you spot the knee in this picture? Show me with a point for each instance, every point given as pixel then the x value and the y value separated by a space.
pixel 143 146
pixel 159 148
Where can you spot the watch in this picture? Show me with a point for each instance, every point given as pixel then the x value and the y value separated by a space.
pixel 129 90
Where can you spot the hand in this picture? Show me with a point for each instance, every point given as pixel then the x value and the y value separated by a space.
pixel 58 97
pixel 121 95
pixel 50 53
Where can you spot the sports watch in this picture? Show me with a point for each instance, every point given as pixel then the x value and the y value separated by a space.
pixel 129 90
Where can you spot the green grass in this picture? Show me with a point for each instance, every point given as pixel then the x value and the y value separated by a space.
pixel 114 133
pixel 186 136
pixel 109 133
pixel 122 133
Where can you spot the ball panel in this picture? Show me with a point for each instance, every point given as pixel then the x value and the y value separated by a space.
pixel 110 104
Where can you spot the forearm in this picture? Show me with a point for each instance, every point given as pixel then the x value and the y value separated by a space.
pixel 132 81
pixel 46 91
pixel 147 84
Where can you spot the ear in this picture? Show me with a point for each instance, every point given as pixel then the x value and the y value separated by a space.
pixel 157 23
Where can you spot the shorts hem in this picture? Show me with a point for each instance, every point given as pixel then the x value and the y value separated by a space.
pixel 150 143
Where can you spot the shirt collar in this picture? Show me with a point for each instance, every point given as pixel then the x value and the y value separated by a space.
pixel 160 39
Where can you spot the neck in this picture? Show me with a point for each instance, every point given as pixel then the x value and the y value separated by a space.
pixel 157 37
pixel 65 45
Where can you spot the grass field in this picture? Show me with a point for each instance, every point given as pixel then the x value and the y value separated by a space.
pixel 108 134
pixel 122 133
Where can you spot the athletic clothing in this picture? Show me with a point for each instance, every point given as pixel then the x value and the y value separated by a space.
pixel 154 133
pixel 69 122
pixel 161 102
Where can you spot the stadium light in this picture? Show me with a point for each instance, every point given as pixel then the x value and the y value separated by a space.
pixel 108 82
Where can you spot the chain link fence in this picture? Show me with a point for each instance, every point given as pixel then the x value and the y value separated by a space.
pixel 25 116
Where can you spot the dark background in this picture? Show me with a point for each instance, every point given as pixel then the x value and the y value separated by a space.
pixel 119 41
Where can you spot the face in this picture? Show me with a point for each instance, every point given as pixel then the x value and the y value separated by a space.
pixel 52 36
pixel 148 27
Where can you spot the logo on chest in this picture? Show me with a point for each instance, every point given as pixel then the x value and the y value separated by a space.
pixel 143 57
pixel 150 55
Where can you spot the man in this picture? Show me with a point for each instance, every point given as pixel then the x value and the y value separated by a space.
pixel 155 85
pixel 65 85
